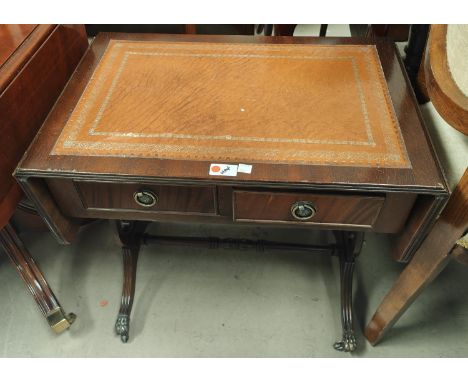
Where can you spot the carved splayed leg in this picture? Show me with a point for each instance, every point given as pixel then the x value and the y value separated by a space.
pixel 349 244
pixel 130 236
pixel 348 342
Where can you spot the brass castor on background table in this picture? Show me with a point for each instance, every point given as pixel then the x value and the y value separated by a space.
pixel 37 285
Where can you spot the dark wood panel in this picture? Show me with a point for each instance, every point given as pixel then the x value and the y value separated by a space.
pixel 423 215
pixel 71 204
pixel 396 32
pixel 157 216
pixel 23 53
pixel 224 200
pixel 330 209
pixel 217 29
pixel 62 227
pixel 30 82
pixel 391 218
pixel 12 36
pixel 170 199
pixel 394 212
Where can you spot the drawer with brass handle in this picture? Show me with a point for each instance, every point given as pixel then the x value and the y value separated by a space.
pixel 151 198
pixel 314 208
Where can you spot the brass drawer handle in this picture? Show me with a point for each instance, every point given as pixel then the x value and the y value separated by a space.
pixel 145 198
pixel 303 210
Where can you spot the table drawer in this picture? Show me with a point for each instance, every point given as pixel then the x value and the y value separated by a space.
pixel 307 208
pixel 151 198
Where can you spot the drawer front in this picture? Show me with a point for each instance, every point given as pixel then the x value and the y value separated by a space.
pixel 307 208
pixel 151 198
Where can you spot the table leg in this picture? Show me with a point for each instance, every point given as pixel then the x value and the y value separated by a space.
pixel 429 260
pixel 426 264
pixel 35 280
pixel 350 244
pixel 130 233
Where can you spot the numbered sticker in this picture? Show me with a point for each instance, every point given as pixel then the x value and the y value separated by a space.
pixel 219 169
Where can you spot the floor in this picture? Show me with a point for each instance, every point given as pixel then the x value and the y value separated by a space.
pixel 195 302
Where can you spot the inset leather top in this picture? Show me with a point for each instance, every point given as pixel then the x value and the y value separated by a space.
pixel 228 102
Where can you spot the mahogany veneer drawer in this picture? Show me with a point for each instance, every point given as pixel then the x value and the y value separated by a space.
pixel 312 208
pixel 153 198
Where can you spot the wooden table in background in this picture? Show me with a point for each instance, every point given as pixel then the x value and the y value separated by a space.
pixel 36 62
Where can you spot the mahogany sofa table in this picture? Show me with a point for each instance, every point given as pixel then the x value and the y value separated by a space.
pixel 316 132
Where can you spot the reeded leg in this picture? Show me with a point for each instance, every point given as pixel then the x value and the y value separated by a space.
pixel 350 244
pixel 34 280
pixel 348 342
pixel 130 235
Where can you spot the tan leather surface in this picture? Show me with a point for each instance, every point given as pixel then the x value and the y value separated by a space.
pixel 312 104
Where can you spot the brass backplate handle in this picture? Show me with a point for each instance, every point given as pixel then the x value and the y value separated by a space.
pixel 303 210
pixel 145 198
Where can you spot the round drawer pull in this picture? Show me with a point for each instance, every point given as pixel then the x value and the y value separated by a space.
pixel 303 210
pixel 145 198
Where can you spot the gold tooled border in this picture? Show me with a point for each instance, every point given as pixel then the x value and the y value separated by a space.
pixel 129 149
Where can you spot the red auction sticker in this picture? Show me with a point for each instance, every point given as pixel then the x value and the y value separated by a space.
pixel 223 169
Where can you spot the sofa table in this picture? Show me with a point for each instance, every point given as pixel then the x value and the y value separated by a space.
pixel 316 132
